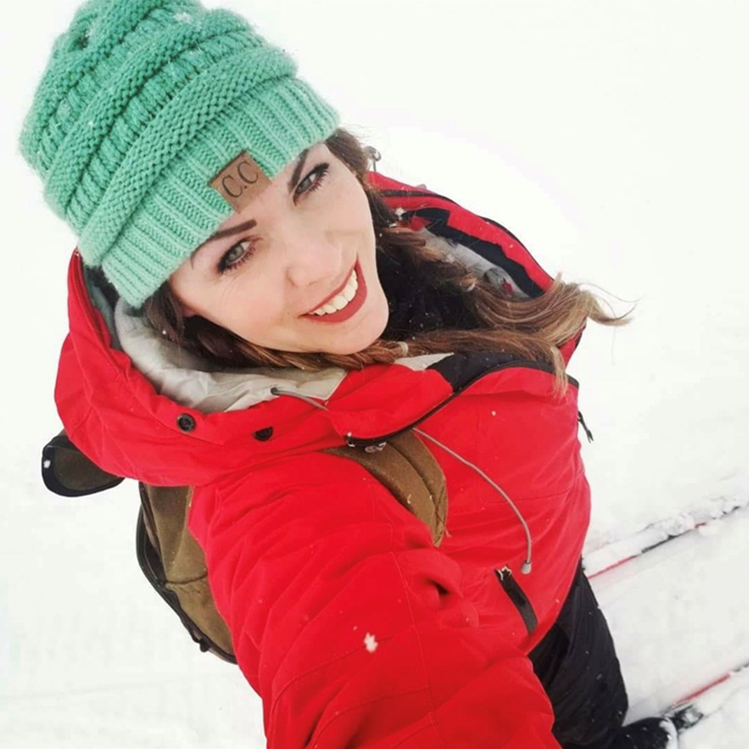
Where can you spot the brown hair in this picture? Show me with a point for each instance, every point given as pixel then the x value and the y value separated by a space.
pixel 531 329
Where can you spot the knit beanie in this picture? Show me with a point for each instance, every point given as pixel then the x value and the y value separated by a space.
pixel 155 120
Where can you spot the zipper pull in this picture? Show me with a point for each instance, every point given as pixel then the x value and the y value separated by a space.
pixel 581 421
pixel 518 597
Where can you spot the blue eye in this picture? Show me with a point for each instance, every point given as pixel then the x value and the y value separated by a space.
pixel 235 256
pixel 320 171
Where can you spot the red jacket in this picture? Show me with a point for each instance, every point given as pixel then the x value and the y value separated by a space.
pixel 352 626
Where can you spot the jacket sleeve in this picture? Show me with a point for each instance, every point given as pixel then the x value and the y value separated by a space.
pixel 351 625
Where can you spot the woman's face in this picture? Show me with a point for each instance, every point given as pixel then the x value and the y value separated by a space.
pixel 300 243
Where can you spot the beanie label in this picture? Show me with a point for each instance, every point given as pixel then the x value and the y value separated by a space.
pixel 240 181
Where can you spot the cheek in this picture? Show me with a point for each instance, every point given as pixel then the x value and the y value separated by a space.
pixel 351 208
pixel 250 306
pixel 242 301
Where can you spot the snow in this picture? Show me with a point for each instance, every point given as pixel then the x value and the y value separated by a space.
pixel 370 642
pixel 729 723
pixel 609 136
pixel 669 608
pixel 617 552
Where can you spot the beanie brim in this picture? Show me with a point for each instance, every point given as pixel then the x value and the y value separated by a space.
pixel 182 210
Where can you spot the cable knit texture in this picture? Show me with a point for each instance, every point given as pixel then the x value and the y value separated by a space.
pixel 141 105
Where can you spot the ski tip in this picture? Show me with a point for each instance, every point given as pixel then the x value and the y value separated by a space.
pixel 685 717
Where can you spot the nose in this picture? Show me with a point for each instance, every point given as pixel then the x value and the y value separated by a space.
pixel 315 263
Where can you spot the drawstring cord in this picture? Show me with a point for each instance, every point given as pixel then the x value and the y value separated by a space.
pixel 277 391
pixel 526 566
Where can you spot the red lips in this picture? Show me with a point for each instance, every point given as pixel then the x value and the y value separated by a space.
pixel 351 308
pixel 337 291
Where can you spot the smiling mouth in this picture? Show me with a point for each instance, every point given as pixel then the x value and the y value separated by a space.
pixel 338 292
pixel 346 302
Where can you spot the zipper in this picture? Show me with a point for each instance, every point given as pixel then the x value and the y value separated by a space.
pixel 376 441
pixel 518 597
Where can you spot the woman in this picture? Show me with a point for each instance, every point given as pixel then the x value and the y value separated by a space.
pixel 246 301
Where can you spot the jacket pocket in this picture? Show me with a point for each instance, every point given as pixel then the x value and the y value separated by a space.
pixel 518 597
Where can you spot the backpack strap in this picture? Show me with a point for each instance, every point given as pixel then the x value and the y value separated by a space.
pixel 174 564
pixel 411 473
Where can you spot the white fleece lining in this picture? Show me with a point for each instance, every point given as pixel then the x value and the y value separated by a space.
pixel 194 382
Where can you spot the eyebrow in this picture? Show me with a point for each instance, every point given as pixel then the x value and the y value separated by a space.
pixel 251 223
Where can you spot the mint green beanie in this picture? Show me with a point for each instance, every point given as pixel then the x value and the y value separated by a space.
pixel 142 104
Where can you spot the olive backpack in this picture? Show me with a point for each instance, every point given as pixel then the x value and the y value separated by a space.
pixel 171 558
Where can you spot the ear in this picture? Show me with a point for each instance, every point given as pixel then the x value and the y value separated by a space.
pixel 184 308
pixel 187 311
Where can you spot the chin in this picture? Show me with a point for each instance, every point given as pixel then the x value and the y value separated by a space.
pixel 360 339
pixel 355 346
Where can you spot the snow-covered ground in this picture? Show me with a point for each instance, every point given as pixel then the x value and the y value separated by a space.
pixel 611 138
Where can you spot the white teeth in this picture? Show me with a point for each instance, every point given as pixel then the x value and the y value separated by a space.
pixel 339 301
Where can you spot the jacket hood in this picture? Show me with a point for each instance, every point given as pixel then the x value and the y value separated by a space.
pixel 153 413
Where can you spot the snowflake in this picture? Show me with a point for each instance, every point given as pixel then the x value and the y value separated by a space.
pixel 370 643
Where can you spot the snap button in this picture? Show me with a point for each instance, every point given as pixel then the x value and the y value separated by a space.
pixel 263 434
pixel 186 422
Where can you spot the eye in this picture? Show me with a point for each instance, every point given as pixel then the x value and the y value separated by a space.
pixel 235 256
pixel 307 186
